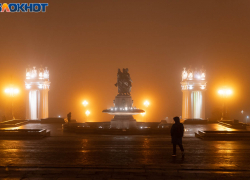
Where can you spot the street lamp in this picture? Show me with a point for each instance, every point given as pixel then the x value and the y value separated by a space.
pixel 224 93
pixel 85 103
pixel 12 92
pixel 87 113
pixel 247 118
pixel 146 103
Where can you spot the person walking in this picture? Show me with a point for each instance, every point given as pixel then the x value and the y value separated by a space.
pixel 177 132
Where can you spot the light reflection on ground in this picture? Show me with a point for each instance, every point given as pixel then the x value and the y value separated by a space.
pixel 190 129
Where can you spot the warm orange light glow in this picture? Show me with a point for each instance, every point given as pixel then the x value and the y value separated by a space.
pixel 87 113
pixel 85 103
pixel 225 92
pixel 146 103
pixel 143 114
pixel 11 91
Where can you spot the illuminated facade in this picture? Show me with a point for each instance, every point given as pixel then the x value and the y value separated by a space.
pixel 193 99
pixel 37 86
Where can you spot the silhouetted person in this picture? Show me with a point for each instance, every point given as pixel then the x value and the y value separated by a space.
pixel 69 117
pixel 177 132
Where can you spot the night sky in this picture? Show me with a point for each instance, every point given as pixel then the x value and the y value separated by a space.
pixel 83 43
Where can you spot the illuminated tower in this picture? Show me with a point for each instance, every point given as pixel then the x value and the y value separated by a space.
pixel 37 85
pixel 193 86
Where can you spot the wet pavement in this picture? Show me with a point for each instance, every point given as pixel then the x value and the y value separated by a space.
pixel 70 156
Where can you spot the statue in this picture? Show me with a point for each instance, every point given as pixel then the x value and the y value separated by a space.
pixel 124 82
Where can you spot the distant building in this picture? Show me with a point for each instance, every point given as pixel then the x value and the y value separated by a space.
pixel 37 86
pixel 193 86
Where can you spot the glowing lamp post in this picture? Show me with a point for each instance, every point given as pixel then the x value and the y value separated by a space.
pixel 224 93
pixel 12 92
pixel 146 103
pixel 85 103
pixel 87 113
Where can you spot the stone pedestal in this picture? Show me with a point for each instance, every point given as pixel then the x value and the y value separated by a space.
pixel 123 122
pixel 123 101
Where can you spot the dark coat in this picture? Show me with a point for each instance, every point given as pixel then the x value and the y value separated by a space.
pixel 177 132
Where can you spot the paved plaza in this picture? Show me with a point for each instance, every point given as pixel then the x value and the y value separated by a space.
pixel 70 156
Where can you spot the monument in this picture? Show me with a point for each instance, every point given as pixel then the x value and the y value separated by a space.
pixel 37 85
pixel 123 109
pixel 193 86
